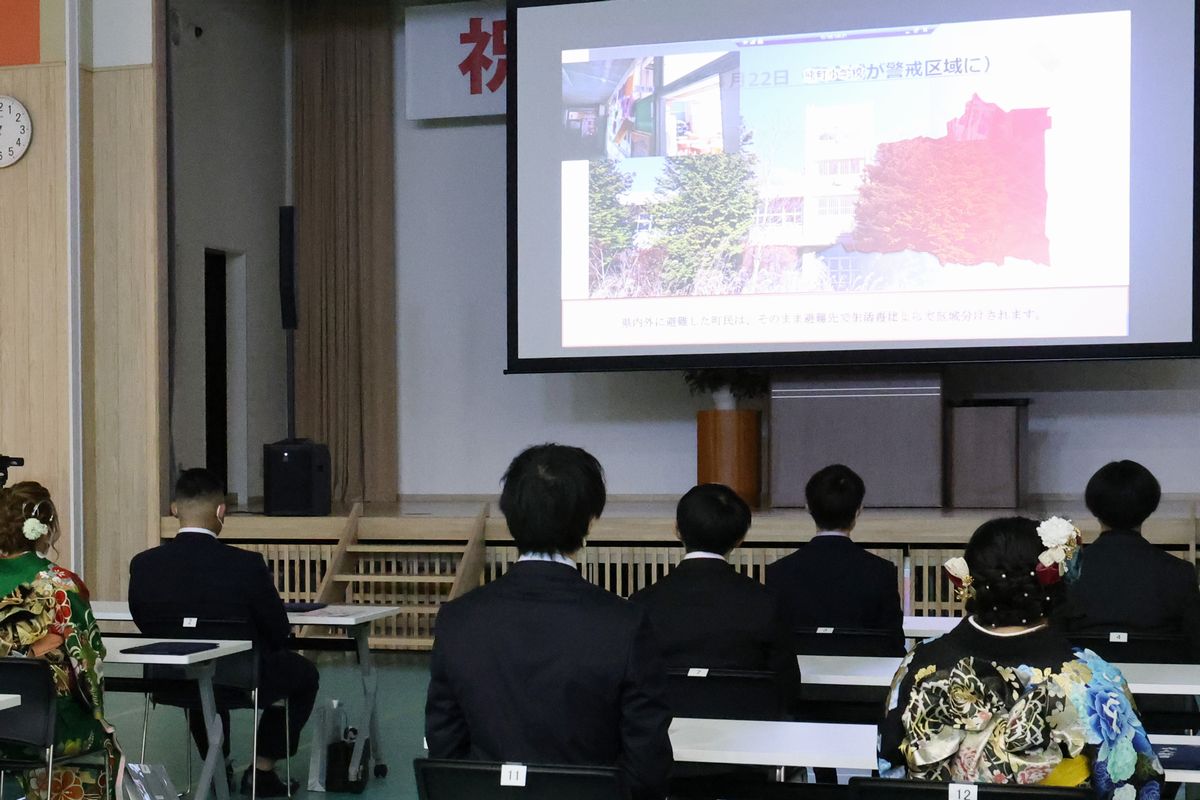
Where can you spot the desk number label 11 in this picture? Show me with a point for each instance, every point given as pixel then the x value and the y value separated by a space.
pixel 512 774
pixel 963 791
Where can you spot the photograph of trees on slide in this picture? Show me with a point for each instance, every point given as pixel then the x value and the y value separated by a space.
pixel 977 195
pixel 872 164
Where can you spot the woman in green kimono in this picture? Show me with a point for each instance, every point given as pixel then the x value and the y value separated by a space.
pixel 44 613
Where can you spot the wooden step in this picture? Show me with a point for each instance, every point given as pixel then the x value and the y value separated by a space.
pixel 378 549
pixel 414 609
pixel 401 643
pixel 351 577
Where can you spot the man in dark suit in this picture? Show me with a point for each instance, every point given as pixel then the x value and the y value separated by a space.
pixel 706 614
pixel 197 575
pixel 832 581
pixel 540 666
pixel 1126 583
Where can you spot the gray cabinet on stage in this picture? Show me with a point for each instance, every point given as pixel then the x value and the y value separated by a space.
pixel 887 429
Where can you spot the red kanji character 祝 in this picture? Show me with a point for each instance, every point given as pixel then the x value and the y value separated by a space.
pixel 478 62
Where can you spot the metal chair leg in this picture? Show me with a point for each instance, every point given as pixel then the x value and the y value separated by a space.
pixel 287 727
pixel 187 738
pixel 2 775
pixel 49 770
pixel 254 751
pixel 145 724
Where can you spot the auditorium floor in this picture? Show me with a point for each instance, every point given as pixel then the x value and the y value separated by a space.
pixel 403 678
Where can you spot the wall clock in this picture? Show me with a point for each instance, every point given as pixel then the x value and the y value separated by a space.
pixel 16 129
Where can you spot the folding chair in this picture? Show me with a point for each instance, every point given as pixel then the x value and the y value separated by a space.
pixel 235 684
pixel 32 723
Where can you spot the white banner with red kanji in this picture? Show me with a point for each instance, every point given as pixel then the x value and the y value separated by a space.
pixel 456 60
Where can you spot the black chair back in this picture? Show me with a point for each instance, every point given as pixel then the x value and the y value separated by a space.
pixel 476 780
pixel 884 789
pixel 235 676
pixel 178 621
pixel 1121 647
pixel 725 694
pixel 847 642
pixel 705 788
pixel 32 722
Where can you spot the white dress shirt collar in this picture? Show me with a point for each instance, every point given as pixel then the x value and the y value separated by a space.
pixel 702 554
pixel 557 558
pixel 843 534
pixel 198 530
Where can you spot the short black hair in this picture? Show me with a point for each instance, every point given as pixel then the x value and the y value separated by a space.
pixel 834 495
pixel 1003 558
pixel 552 492
pixel 199 484
pixel 712 518
pixel 1122 494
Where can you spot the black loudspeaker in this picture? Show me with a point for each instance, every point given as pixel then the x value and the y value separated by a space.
pixel 287 267
pixel 296 479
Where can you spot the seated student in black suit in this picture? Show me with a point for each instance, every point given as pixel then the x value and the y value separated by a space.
pixel 195 574
pixel 706 614
pixel 540 666
pixel 832 581
pixel 1126 583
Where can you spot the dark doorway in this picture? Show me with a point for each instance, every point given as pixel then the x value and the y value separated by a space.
pixel 216 433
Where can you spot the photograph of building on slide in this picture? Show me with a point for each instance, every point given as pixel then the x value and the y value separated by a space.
pixel 865 165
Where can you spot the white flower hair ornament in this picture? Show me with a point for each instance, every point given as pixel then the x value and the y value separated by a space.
pixel 1059 560
pixel 960 576
pixel 34 529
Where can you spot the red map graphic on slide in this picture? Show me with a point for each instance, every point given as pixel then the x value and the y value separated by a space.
pixel 976 195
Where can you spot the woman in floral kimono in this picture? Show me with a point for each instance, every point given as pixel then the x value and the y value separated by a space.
pixel 1003 698
pixel 44 613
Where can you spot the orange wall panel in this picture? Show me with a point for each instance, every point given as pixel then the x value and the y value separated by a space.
pixel 20 34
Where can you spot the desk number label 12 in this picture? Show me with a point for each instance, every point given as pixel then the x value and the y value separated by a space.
pixel 963 791
pixel 512 774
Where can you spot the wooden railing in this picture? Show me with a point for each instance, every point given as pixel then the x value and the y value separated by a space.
pixel 421 563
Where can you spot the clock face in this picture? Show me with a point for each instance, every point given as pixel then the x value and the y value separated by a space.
pixel 16 129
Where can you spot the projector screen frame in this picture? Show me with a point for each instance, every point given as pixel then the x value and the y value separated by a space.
pixel 856 358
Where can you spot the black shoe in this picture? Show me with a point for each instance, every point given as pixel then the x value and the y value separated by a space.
pixel 269 784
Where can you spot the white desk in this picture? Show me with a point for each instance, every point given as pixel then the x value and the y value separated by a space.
pixel 8 701
pixel 1174 679
pixel 356 619
pixel 812 744
pixel 344 616
pixel 848 670
pixel 115 645
pixel 928 627
pixel 774 744
pixel 200 667
pixel 1162 678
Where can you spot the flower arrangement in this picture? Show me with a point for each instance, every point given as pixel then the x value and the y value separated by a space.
pixel 743 383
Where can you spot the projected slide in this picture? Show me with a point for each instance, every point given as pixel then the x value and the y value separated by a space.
pixel 957 182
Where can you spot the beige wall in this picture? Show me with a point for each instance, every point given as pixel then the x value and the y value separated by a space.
pixel 34 293
pixel 123 314
pixel 121 293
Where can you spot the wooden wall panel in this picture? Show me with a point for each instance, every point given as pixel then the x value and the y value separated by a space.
pixel 34 345
pixel 121 321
